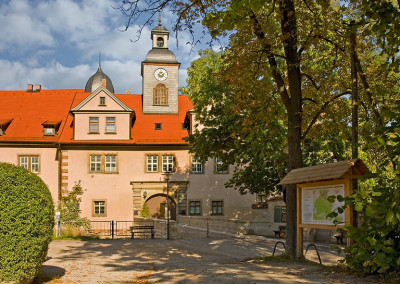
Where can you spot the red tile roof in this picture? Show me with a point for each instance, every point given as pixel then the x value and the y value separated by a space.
pixel 29 110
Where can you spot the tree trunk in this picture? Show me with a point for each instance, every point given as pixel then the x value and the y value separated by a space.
pixel 294 111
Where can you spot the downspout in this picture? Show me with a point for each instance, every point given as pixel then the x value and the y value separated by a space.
pixel 59 156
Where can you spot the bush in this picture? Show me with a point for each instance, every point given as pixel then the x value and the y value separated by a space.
pixel 26 223
pixel 145 211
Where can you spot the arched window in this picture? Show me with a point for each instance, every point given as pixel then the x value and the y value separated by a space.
pixel 160 95
pixel 160 42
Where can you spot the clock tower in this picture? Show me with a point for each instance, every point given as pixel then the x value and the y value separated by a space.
pixel 160 72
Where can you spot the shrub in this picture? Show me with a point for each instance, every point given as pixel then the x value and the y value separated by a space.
pixel 26 223
pixel 72 223
pixel 145 211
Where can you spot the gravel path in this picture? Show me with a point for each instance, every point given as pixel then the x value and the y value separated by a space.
pixel 193 258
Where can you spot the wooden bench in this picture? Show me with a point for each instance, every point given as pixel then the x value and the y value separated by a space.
pixel 339 237
pixel 141 230
pixel 281 231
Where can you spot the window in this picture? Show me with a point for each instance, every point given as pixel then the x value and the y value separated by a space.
pixel 279 214
pixel 95 163
pixel 29 162
pixel 160 42
pixel 168 164
pixel 103 163
pixel 261 198
pixel 110 124
pixel 158 126
pixel 185 126
pixel 160 95
pixel 93 125
pixel 102 101
pixel 194 208
pixel 197 166
pixel 217 208
pixel 152 164
pixel 49 131
pixel 110 163
pixel 220 167
pixel 99 208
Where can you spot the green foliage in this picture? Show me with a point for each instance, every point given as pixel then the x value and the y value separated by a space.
pixel 26 223
pixel 70 218
pixel 145 211
pixel 376 247
pixel 235 127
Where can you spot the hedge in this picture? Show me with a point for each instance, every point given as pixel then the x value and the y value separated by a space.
pixel 26 223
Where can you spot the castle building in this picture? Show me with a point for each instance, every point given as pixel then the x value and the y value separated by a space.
pixel 118 147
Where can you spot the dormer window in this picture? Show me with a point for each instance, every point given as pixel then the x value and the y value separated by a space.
pixel 4 123
pixel 160 42
pixel 49 131
pixel 102 101
pixel 50 128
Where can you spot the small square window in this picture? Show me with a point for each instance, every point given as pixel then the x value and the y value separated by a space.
pixel 102 101
pixel 158 126
pixel 110 164
pixel 49 131
pixel 185 126
pixel 99 208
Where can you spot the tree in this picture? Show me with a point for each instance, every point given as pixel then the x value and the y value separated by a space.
pixel 145 212
pixel 69 209
pixel 295 54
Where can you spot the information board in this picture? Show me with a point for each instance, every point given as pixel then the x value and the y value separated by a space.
pixel 316 207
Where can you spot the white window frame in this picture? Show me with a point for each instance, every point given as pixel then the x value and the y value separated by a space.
pixel 110 124
pixel 110 163
pixel 30 163
pixel 152 163
pixel 167 163
pixel 99 208
pixel 93 124
pixel 197 167
pixel 95 161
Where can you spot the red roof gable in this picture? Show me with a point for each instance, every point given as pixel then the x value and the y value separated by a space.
pixel 30 109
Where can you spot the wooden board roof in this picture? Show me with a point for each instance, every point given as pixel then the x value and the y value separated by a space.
pixel 344 169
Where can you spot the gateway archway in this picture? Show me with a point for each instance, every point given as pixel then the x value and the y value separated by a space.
pixel 157 204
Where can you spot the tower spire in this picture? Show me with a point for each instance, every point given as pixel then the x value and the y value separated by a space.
pixel 159 18
pixel 99 59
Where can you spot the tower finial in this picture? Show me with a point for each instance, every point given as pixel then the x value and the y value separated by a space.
pixel 99 59
pixel 159 18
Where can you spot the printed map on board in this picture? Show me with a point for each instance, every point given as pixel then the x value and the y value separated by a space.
pixel 315 204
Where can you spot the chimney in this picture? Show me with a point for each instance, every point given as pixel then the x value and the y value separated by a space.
pixel 38 87
pixel 30 87
pixel 103 82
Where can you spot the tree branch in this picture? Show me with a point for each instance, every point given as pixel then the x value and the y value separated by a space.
pixel 321 110
pixel 271 60
pixel 309 77
pixel 366 86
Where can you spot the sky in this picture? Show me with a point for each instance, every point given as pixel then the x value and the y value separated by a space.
pixel 56 44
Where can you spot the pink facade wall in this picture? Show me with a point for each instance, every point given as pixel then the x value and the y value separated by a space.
pixel 116 188
pixel 48 164
pixel 122 123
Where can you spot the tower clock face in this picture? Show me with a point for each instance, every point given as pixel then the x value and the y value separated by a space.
pixel 160 74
